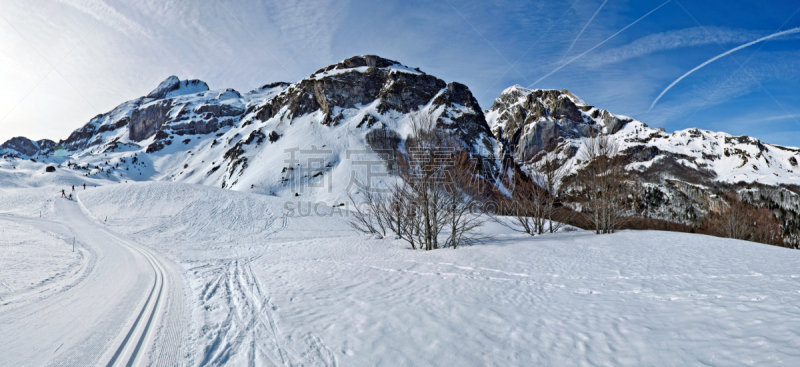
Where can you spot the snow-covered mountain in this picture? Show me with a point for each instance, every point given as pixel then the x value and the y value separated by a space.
pixel 680 170
pixel 323 133
pixel 527 120
pixel 22 146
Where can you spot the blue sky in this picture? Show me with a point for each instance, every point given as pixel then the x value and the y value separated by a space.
pixel 62 62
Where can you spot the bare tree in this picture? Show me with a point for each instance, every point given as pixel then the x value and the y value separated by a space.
pixel 522 203
pixel 740 220
pixel 424 168
pixel 604 184
pixel 464 190
pixel 732 220
pixel 438 184
pixel 549 175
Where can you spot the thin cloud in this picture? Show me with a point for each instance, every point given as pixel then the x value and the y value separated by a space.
pixel 110 16
pixel 724 87
pixel 762 39
pixel 777 118
pixel 675 39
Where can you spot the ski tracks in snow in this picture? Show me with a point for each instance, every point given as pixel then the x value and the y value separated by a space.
pixel 241 322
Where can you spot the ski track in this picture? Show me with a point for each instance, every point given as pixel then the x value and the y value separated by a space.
pixel 150 324
pixel 107 340
pixel 160 318
pixel 250 326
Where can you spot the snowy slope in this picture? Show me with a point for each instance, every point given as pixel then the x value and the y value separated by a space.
pixel 264 289
pixel 540 115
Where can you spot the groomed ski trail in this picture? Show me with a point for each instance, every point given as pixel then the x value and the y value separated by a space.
pixel 124 300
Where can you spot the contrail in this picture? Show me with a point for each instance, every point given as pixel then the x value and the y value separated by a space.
pixel 726 53
pixel 598 45
pixel 584 28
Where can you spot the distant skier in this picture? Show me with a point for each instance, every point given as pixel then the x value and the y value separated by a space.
pixel 84 186
pixel 73 187
pixel 70 196
pixel 63 194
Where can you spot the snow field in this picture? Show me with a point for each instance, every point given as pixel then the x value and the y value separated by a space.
pixel 29 202
pixel 33 262
pixel 270 290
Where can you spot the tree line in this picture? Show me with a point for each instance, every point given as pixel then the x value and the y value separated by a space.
pixel 441 199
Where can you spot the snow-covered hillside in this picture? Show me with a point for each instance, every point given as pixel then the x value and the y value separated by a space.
pixel 257 286
pixel 527 120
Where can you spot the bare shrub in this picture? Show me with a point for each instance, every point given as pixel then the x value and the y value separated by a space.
pixel 464 190
pixel 368 217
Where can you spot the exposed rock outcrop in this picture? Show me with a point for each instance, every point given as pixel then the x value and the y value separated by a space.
pixel 26 147
pixel 147 120
pixel 364 80
pixel 359 80
pixel 528 121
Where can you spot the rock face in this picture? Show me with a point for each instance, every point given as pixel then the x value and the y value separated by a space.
pixel 145 121
pixel 46 146
pixel 528 121
pixel 358 80
pixel 362 98
pixel 23 146
pixel 471 126
pixel 102 127
pixel 678 171
pixel 181 107
pixel 351 99
pixel 230 139
pixel 364 80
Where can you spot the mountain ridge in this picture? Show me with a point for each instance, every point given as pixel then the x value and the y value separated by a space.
pixel 183 131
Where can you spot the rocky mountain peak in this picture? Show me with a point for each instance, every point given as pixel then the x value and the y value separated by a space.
pixel 173 86
pixel 360 81
pixel 23 146
pixel 365 61
pixel 529 120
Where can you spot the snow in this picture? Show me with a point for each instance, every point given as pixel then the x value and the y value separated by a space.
pixel 34 261
pixel 173 87
pixel 396 68
pixel 249 284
